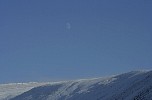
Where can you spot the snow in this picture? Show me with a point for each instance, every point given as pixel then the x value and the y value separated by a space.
pixel 10 90
pixel 135 85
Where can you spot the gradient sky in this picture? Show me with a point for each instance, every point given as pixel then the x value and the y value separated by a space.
pixel 49 40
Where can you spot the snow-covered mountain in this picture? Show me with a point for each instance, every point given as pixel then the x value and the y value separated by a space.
pixel 11 90
pixel 135 85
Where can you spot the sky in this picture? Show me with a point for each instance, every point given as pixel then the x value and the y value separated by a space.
pixel 51 40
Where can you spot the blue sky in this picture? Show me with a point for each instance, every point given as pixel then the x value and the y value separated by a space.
pixel 49 40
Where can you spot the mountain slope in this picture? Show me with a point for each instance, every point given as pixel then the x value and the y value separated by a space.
pixel 10 90
pixel 136 85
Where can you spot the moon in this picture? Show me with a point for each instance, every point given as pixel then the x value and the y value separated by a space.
pixel 68 25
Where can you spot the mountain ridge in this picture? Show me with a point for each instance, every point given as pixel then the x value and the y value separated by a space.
pixel 134 85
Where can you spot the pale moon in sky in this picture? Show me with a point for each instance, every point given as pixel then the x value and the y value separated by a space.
pixel 68 26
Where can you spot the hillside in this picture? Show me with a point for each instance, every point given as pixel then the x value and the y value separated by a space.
pixel 135 85
pixel 10 90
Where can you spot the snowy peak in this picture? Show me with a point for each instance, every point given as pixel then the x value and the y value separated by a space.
pixel 135 85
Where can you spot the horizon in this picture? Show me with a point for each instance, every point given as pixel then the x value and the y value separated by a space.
pixel 59 40
pixel 89 78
